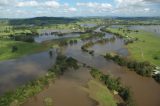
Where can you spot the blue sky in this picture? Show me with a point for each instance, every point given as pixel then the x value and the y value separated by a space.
pixel 73 8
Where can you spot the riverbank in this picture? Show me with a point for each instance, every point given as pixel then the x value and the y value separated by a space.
pixel 23 48
pixel 145 48
pixel 100 93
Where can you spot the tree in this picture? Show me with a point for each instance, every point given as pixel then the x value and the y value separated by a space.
pixel 14 48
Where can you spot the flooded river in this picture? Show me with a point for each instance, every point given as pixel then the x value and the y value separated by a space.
pixel 66 91
pixel 49 36
pixel 19 71
pixel 146 92
pixel 155 29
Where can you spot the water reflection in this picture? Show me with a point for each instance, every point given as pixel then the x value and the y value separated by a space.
pixel 45 37
pixel 150 28
pixel 19 71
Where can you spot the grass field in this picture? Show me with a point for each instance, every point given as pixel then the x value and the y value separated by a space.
pixel 145 49
pixel 23 49
pixel 100 93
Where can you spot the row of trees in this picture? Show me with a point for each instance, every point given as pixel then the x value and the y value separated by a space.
pixel 113 84
pixel 21 36
pixel 67 42
pixel 92 35
pixel 101 41
pixel 126 40
pixel 21 94
pixel 142 68
pixel 157 77
pixel 91 43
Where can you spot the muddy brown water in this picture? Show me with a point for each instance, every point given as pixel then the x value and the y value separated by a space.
pixel 146 92
pixel 66 91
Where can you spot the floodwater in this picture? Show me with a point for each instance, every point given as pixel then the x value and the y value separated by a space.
pixel 149 28
pixel 89 25
pixel 146 92
pixel 49 36
pixel 116 46
pixel 19 71
pixel 66 91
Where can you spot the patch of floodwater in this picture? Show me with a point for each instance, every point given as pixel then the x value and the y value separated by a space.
pixel 46 37
pixel 149 28
pixel 19 71
pixel 49 31
pixel 116 46
pixel 89 25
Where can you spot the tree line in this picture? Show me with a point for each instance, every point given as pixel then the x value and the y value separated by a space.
pixel 114 85
pixel 141 68
pixel 91 43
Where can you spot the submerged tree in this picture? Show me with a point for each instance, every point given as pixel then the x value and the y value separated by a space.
pixel 14 48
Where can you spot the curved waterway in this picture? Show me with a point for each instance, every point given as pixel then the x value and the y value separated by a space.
pixel 146 92
pixel 66 91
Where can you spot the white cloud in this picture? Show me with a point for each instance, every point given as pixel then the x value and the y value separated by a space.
pixel 6 2
pixel 72 9
pixel 27 3
pixel 147 9
pixel 129 3
pixel 95 5
pixel 132 7
pixel 52 4
pixel 33 3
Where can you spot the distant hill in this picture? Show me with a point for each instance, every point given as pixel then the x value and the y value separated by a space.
pixel 41 21
pixel 138 18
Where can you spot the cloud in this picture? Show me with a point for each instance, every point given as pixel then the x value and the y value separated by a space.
pixel 72 9
pixel 27 3
pixel 135 7
pixel 153 1
pixel 129 3
pixel 147 9
pixel 95 5
pixel 52 4
pixel 21 8
pixel 6 2
pixel 33 3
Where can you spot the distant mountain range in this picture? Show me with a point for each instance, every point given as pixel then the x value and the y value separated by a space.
pixel 62 20
pixel 41 20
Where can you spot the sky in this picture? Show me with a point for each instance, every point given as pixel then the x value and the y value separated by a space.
pixel 76 8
